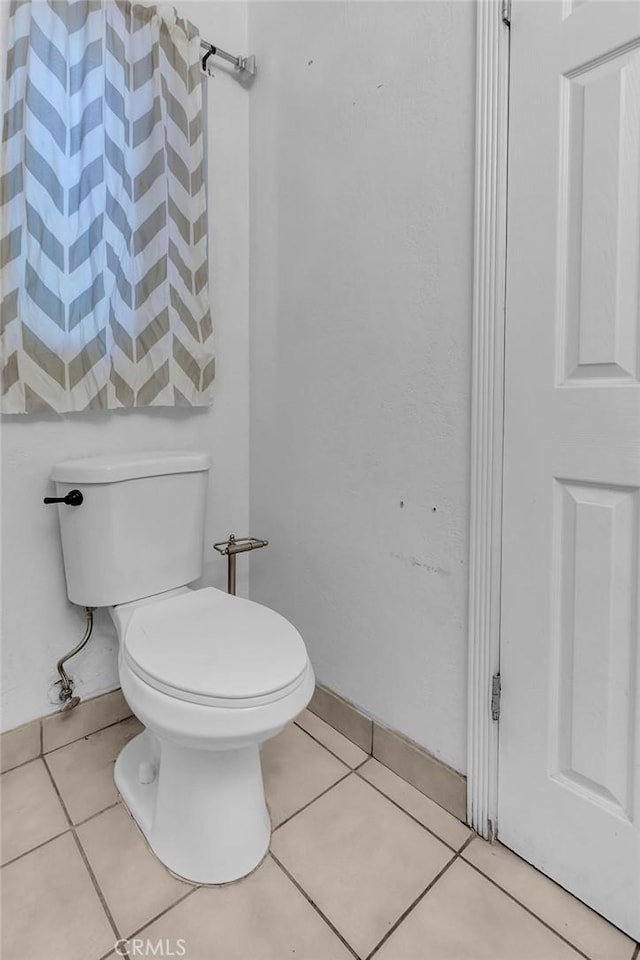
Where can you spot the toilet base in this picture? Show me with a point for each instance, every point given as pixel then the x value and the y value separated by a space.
pixel 202 812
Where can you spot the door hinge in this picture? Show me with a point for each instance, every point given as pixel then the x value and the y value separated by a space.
pixel 496 689
pixel 506 12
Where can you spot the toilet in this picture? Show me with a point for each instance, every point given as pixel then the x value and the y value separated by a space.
pixel 210 676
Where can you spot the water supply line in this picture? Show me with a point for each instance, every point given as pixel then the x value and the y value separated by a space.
pixel 230 548
pixel 65 694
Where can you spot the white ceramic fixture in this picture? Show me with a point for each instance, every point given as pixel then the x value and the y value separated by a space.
pixel 211 676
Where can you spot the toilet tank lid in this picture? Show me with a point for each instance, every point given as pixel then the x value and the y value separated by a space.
pixel 129 466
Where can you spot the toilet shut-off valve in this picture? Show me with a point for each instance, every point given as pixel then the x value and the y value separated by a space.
pixel 230 548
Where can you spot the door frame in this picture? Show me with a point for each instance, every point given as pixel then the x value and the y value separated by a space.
pixel 487 408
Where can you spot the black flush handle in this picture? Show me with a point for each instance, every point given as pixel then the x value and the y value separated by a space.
pixel 73 499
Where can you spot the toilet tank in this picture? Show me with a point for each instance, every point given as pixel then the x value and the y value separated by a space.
pixel 140 528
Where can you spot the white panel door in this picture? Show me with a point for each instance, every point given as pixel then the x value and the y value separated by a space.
pixel 569 792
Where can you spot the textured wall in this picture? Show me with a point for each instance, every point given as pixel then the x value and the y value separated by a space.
pixel 39 624
pixel 362 125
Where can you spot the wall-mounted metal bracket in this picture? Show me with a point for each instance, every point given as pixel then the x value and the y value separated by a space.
pixel 245 65
pixel 248 65
pixel 230 548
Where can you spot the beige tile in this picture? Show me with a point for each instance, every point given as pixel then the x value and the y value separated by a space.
pixel 50 909
pixel 86 718
pixel 427 774
pixel 19 745
pixel 360 859
pixel 262 917
pixel 31 810
pixel 443 824
pixel 136 886
pixel 296 769
pixel 465 917
pixel 581 926
pixel 332 739
pixel 83 771
pixel 342 715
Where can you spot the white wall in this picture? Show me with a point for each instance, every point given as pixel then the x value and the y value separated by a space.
pixel 39 624
pixel 362 122
pixel 361 175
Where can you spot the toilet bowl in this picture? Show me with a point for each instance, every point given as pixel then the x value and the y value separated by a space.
pixel 192 780
pixel 209 675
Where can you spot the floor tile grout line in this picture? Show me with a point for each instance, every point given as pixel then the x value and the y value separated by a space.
pixel 315 906
pixel 328 749
pixel 419 822
pixel 96 885
pixel 106 956
pixel 307 805
pixel 38 846
pixel 467 843
pixel 58 794
pixel 403 916
pixel 19 766
pixel 85 736
pixel 166 910
pixel 527 909
pixel 124 955
pixel 363 763
pixel 93 816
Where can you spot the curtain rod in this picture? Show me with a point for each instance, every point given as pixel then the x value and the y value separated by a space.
pixel 244 64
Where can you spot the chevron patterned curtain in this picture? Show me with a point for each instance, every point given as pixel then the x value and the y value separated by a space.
pixel 103 240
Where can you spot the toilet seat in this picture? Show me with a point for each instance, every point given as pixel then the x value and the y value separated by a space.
pixel 205 646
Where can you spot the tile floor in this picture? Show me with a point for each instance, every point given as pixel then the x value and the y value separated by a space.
pixel 361 863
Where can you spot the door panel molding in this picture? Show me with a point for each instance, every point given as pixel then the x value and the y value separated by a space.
pixel 487 414
pixel 599 191
pixel 593 630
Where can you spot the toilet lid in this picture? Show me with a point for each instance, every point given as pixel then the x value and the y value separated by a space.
pixel 207 645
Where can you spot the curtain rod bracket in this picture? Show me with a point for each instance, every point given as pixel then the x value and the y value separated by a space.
pixel 241 64
pixel 248 65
